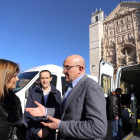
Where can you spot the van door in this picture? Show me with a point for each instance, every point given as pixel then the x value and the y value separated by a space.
pixel 106 76
pixel 127 78
pixel 117 79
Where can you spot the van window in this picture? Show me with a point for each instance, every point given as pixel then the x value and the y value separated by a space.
pixel 106 83
pixel 54 79
pixel 64 83
pixel 125 86
pixel 24 79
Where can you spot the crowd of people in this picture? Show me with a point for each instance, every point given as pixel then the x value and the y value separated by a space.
pixel 80 115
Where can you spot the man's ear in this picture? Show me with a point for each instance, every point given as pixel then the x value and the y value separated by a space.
pixel 81 68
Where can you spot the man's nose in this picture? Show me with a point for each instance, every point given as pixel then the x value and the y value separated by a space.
pixel 64 71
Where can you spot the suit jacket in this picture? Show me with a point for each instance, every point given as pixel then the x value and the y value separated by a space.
pixel 84 114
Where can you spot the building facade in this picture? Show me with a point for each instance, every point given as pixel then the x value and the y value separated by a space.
pixel 116 38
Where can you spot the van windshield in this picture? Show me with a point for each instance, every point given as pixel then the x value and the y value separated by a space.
pixel 24 79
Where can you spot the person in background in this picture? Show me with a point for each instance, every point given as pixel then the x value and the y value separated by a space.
pixel 82 114
pixel 116 114
pixel 46 94
pixel 10 105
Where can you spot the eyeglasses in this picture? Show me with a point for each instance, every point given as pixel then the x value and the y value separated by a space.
pixel 69 67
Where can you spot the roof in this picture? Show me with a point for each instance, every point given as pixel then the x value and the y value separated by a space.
pixel 122 9
pixel 50 67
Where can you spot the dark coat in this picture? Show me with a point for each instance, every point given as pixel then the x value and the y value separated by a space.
pixel 10 114
pixel 34 123
pixel 114 106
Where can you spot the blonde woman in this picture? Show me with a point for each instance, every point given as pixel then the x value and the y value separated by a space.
pixel 10 106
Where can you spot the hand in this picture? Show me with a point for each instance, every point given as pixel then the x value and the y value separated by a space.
pixel 53 124
pixel 116 118
pixel 38 111
pixel 43 132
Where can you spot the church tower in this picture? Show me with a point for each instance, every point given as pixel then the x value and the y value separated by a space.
pixel 95 41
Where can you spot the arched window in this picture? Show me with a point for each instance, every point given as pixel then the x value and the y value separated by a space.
pixel 126 51
pixel 96 18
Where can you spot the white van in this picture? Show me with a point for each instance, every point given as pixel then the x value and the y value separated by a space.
pixel 128 79
pixel 30 78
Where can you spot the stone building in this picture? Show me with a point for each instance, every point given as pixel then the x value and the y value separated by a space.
pixel 115 38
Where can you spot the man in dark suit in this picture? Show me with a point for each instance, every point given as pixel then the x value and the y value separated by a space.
pixel 82 113
pixel 46 94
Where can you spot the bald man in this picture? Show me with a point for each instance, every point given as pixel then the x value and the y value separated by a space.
pixel 82 114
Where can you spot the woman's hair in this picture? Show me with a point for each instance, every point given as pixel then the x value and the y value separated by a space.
pixel 7 71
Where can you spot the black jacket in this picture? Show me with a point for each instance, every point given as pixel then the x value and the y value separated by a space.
pixel 10 114
pixel 114 106
pixel 34 123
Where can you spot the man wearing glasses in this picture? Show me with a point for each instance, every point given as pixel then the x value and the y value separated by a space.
pixel 82 114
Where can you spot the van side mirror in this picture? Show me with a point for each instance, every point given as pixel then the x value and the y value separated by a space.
pixel 26 94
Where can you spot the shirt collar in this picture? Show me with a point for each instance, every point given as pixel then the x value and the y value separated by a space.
pixel 77 80
pixel 47 91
